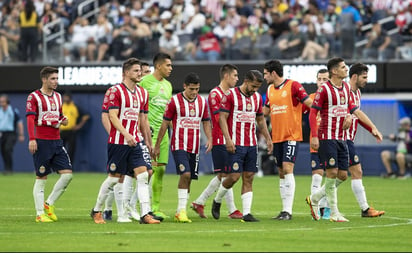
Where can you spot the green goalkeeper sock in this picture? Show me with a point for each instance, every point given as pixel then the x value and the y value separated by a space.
pixel 157 186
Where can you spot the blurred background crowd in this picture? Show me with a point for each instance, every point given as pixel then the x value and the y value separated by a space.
pixel 204 30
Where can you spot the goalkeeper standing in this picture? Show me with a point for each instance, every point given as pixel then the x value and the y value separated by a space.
pixel 160 92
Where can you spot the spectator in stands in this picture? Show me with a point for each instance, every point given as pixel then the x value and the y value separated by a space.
pixel 224 33
pixel 122 38
pixel 81 35
pixel 208 47
pixel 379 44
pixel 279 26
pixel 334 18
pixel 233 18
pixel 64 12
pixel 48 16
pixel 9 39
pixel 403 154
pixel 292 45
pixel 102 38
pixel 242 41
pixel 350 22
pixel 316 46
pixel 30 27
pixel 169 42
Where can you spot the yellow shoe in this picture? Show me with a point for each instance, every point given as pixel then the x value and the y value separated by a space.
pixel 43 218
pixel 50 211
pixel 182 217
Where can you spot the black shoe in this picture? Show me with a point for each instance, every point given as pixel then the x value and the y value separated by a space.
pixel 107 215
pixel 159 218
pixel 284 216
pixel 249 218
pixel 216 210
pixel 277 217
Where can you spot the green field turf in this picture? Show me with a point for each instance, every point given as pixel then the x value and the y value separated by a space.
pixel 75 230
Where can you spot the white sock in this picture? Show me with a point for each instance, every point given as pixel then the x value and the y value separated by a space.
pixel 221 192
pixel 330 189
pixel 38 195
pixel 289 192
pixel 105 188
pixel 208 191
pixel 247 202
pixel 127 189
pixel 59 188
pixel 118 197
pixel 359 190
pixel 142 184
pixel 323 202
pixel 318 195
pixel 109 201
pixel 316 182
pixel 181 199
pixel 282 191
pixel 135 197
pixel 230 201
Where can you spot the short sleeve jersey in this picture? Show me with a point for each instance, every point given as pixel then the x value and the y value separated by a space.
pixel 351 132
pixel 214 99
pixel 48 113
pixel 242 111
pixel 186 117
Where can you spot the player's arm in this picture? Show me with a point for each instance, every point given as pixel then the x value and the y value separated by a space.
pixel 114 119
pixel 223 116
pixel 160 135
pixel 366 121
pixel 145 129
pixel 106 121
pixel 313 123
pixel 207 127
pixel 261 123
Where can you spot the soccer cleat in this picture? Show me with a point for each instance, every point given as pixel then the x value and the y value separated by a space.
pixel 161 214
pixel 236 215
pixel 338 218
pixel 216 209
pixel 123 219
pixel 313 208
pixel 277 217
pixel 283 216
pixel 97 217
pixel 49 209
pixel 249 218
pixel 159 218
pixel 199 209
pixel 326 213
pixel 148 219
pixel 182 217
pixel 107 215
pixel 371 212
pixel 43 218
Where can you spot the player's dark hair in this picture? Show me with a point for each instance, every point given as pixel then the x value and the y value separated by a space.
pixel 274 65
pixel 322 71
pixel 129 63
pixel 227 69
pixel 160 57
pixel 333 63
pixel 143 63
pixel 192 78
pixel 358 69
pixel 254 75
pixel 47 71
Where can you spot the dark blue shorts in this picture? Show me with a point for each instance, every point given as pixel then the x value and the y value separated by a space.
pixel 220 158
pixel 244 159
pixel 146 157
pixel 315 161
pixel 123 158
pixel 334 154
pixel 286 151
pixel 353 154
pixel 186 162
pixel 50 156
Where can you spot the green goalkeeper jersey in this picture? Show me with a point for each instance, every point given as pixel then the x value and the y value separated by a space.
pixel 160 92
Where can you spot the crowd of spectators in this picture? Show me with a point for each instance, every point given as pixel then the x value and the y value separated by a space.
pixel 211 30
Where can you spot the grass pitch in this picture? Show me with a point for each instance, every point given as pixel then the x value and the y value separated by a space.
pixel 76 232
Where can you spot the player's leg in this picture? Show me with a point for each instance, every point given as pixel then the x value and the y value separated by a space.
pixel 159 170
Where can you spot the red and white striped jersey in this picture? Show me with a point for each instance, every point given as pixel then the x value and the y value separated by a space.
pixel 351 132
pixel 214 99
pixel 48 114
pixel 242 116
pixel 334 104
pixel 186 118
pixel 129 105
pixel 105 105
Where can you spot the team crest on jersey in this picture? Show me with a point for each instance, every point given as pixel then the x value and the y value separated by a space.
pixel 135 103
pixel 112 167
pixel 192 112
pixel 53 106
pixel 342 100
pixel 248 107
pixel 313 164
pixel 42 169
pixel 356 158
pixel 284 93
pixel 181 167
pixel 161 91
pixel 332 162
pixel 235 167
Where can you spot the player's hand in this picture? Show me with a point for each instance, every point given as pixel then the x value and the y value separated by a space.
pixel 208 146
pixel 33 146
pixel 230 146
pixel 131 141
pixel 314 143
pixel 156 153
pixel 377 134
pixel 347 122
pixel 269 145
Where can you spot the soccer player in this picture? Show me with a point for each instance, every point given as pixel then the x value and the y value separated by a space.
pixel 228 79
pixel 241 109
pixel 284 99
pixel 124 144
pixel 186 110
pixel 44 117
pixel 160 92
pixel 333 100
pixel 358 75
